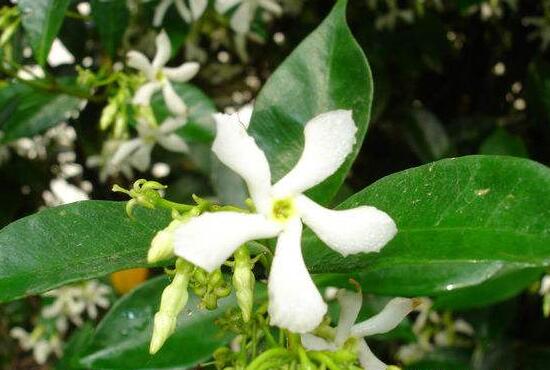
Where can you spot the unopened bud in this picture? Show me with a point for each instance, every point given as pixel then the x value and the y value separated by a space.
pixel 162 245
pixel 173 300
pixel 108 115
pixel 243 281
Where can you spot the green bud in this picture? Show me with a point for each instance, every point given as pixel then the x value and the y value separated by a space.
pixel 546 305
pixel 215 278
pixel 108 115
pixel 162 245
pixel 243 281
pixel 173 300
pixel 210 301
pixel 222 291
pixel 222 356
pixel 200 276
pixel 121 123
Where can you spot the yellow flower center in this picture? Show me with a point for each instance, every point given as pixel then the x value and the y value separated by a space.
pixel 160 75
pixel 283 209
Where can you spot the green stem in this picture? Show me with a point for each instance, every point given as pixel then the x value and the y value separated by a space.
pixel 173 205
pixel 324 359
pixel 266 356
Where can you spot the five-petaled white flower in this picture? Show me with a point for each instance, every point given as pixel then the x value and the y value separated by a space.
pixel 41 343
pixel 138 150
pixel 159 76
pixel 242 18
pixel 189 13
pixel 208 240
pixel 350 305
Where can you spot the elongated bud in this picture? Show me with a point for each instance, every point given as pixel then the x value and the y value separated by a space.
pixel 108 115
pixel 243 281
pixel 173 300
pixel 162 245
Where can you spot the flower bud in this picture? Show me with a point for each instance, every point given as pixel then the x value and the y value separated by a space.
pixel 243 281
pixel 173 300
pixel 162 245
pixel 108 115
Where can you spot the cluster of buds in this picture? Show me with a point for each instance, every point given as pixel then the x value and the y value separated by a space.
pixel 210 287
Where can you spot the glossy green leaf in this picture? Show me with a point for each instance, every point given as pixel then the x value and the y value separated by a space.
pixel 426 136
pixel 327 71
pixel 111 18
pixel 42 21
pixel 25 111
pixel 500 142
pixel 73 242
pixel 462 222
pixel 121 341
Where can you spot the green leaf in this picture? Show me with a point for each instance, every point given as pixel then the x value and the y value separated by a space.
pixel 502 143
pixel 200 127
pixel 111 18
pixel 25 111
pixel 462 222
pixel 42 20
pixel 121 341
pixel 426 136
pixel 327 71
pixel 73 242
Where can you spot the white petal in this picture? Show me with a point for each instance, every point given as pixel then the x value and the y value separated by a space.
pixel 241 19
pixel 173 143
pixel 208 240
pixel 238 151
pixel 145 92
pixel 183 73
pixel 314 343
pixel 141 159
pixel 245 114
pixel 160 11
pixel 350 305
pixel 41 352
pixel 329 139
pixel 223 6
pixel 124 150
pixel 184 11
pixel 171 124
pixel 197 8
pixel 367 359
pixel 394 312
pixel 137 60
pixel 294 301
pixel 271 6
pixel 164 50
pixel 349 231
pixel 173 100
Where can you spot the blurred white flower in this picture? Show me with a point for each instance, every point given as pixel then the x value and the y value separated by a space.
pixel 393 15
pixel 208 240
pixel 104 162
pixel 189 13
pixel 94 295
pixel 242 17
pixel 350 305
pixel 41 343
pixel 62 192
pixel 159 76
pixel 137 151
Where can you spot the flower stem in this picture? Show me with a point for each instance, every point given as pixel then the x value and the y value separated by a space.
pixel 266 356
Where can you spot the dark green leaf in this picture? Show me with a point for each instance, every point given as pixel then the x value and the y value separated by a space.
pixel 111 18
pixel 73 242
pixel 42 20
pixel 502 143
pixel 25 111
pixel 427 136
pixel 462 222
pixel 121 341
pixel 327 71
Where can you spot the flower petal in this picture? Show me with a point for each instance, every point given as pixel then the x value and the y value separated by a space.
pixel 139 61
pixel 329 139
pixel 183 73
pixel 208 240
pixel 173 143
pixel 145 92
pixel 367 359
pixel 387 319
pixel 173 100
pixel 271 6
pixel 124 150
pixel 294 301
pixel 160 11
pixel 350 305
pixel 241 19
pixel 314 343
pixel 164 50
pixel 141 159
pixel 171 124
pixel 238 151
pixel 223 6
pixel 197 8
pixel 184 11
pixel 349 231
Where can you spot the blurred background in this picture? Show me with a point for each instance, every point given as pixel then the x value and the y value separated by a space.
pixel 451 78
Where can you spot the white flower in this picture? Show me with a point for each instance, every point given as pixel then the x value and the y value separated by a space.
pixel 94 295
pixel 105 163
pixel 159 76
pixel 350 305
pixel 189 13
pixel 137 151
pixel 36 341
pixel 208 240
pixel 242 17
